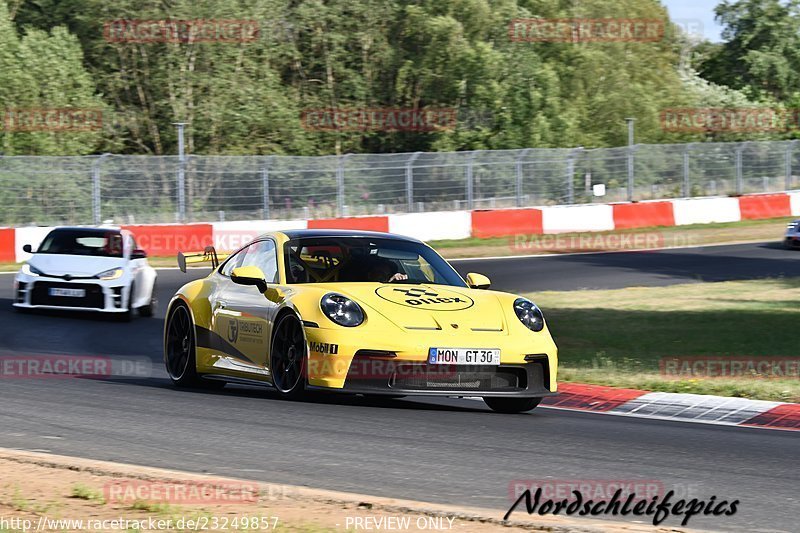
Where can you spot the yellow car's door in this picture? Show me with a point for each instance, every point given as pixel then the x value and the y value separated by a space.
pixel 242 314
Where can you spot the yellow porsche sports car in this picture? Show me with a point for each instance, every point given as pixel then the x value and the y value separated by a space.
pixel 358 312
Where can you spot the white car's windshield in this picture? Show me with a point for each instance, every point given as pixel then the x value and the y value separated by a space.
pixel 365 259
pixel 102 243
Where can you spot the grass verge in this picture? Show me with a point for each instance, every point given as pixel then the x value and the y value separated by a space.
pixel 639 238
pixel 619 337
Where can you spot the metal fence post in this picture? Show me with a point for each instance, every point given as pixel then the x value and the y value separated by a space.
pixel 410 181
pixel 519 175
pixel 687 191
pixel 739 175
pixel 181 172
pixel 630 172
pixel 470 182
pixel 96 213
pixel 265 188
pixel 340 185
pixel 571 174
pixel 788 162
pixel 181 192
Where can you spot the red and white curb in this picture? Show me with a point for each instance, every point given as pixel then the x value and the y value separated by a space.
pixel 168 239
pixel 673 406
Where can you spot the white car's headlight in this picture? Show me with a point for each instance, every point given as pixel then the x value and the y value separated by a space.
pixel 342 310
pixel 31 270
pixel 529 314
pixel 114 273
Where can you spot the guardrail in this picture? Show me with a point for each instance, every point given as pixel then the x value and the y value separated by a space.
pixel 159 189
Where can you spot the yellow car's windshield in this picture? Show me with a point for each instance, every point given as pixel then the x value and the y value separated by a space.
pixel 365 259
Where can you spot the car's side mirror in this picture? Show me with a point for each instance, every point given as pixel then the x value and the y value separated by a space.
pixel 478 281
pixel 28 249
pixel 249 275
pixel 138 254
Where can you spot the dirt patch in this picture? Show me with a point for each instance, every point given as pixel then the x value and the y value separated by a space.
pixel 55 493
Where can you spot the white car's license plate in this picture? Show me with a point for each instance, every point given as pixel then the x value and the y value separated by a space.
pixel 464 356
pixel 70 293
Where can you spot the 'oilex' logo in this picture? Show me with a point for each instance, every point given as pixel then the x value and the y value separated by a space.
pixel 62 119
pixel 580 30
pixel 439 299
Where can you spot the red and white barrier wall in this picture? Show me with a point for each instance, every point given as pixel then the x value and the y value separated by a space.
pixel 168 239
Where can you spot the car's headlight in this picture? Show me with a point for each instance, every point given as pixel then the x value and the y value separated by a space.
pixel 31 270
pixel 114 273
pixel 342 310
pixel 529 314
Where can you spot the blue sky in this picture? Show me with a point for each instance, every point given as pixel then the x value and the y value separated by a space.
pixel 696 15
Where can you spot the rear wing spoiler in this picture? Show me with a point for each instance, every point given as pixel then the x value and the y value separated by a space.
pixel 207 255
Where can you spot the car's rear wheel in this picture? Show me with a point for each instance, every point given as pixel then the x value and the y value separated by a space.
pixel 511 405
pixel 179 354
pixel 179 351
pixel 288 358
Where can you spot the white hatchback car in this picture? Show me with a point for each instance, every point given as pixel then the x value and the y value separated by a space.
pixel 87 269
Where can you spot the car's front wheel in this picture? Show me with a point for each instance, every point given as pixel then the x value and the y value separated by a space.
pixel 512 405
pixel 288 358
pixel 150 308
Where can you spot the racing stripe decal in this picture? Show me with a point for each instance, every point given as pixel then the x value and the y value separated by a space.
pixel 212 341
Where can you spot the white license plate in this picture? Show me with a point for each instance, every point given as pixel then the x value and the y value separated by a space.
pixel 70 293
pixel 464 356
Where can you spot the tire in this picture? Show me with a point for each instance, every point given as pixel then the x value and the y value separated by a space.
pixel 180 353
pixel 512 405
pixel 150 308
pixel 287 359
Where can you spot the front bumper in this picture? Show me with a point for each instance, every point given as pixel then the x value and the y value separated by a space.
pixel 529 379
pixel 109 296
pixel 377 362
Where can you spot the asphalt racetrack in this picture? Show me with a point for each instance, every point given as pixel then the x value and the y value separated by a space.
pixel 615 270
pixel 439 450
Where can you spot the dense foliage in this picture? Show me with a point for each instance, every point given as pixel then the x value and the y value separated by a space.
pixel 248 97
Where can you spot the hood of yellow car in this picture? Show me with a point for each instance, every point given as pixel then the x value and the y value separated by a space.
pixel 429 306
